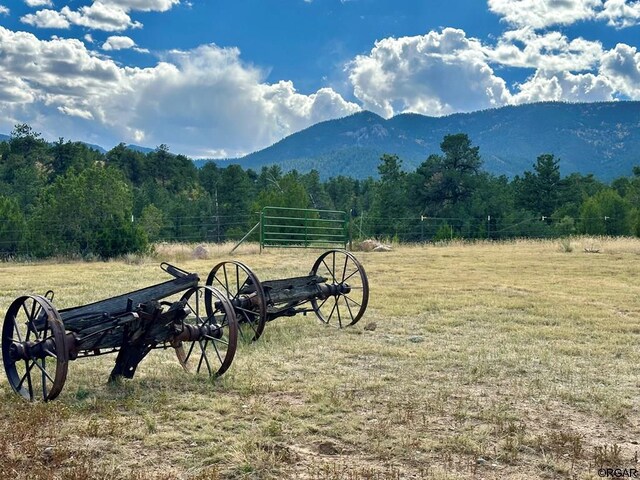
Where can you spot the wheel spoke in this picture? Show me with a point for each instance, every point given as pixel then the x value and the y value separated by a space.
pixel 188 355
pixel 203 355
pixel 26 375
pixel 191 307
pixel 44 376
pixel 350 275
pixel 17 330
pixel 244 284
pixel 338 310
pixel 237 281
pixel 222 285
pixel 348 298
pixel 330 271
pixel 332 310
pixel 215 340
pixel 349 308
pixel 215 347
pixel 344 270
pixel 42 369
pixel 323 302
pixel 245 310
pixel 226 278
pixel 334 267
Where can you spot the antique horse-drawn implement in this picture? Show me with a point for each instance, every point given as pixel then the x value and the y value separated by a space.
pixel 336 290
pixel 38 341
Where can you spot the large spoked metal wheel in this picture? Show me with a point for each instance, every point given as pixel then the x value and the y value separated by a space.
pixel 245 292
pixel 215 348
pixel 348 282
pixel 34 352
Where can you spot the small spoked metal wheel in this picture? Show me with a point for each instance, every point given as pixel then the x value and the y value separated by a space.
pixel 245 292
pixel 348 289
pixel 216 336
pixel 34 352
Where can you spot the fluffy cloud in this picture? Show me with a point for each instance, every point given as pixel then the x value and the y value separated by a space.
pixel 198 102
pixel 544 13
pixel 101 16
pixel 38 3
pixel 146 5
pixel 107 15
pixel 622 66
pixel 46 19
pixel 118 43
pixel 567 87
pixel 540 14
pixel 553 51
pixel 4 10
pixel 434 74
pixel 207 96
pixel 621 13
pixel 442 73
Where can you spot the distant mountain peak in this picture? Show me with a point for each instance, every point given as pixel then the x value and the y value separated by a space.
pixel 599 138
pixel 365 133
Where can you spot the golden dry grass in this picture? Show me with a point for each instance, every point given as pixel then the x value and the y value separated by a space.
pixel 491 360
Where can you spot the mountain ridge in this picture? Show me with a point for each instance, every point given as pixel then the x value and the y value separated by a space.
pixel 599 138
pixel 602 139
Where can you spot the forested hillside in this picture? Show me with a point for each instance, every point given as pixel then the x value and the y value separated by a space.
pixel 65 198
pixel 598 138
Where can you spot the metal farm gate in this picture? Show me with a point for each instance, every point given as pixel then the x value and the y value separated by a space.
pixel 303 228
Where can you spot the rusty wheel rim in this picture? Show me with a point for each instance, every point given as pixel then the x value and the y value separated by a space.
pixel 212 353
pixel 238 282
pixel 32 320
pixel 341 268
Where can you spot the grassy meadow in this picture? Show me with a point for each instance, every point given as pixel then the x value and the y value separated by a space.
pixel 489 360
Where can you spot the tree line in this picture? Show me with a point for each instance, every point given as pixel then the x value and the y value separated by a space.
pixel 65 198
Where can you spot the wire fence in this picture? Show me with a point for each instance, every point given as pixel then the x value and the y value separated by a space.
pixel 22 241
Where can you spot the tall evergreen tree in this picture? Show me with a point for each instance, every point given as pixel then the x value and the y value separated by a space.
pixel 447 182
pixel 540 191
pixel 390 208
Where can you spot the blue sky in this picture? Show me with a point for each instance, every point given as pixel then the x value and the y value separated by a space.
pixel 216 78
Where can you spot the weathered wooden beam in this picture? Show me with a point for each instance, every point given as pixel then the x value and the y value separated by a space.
pixel 76 319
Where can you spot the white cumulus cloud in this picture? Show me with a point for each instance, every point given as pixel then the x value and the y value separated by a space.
pixel 209 93
pixel 38 3
pixel 622 66
pixel 46 19
pixel 540 14
pixel 621 13
pixel 544 13
pixel 101 16
pixel 146 5
pixel 447 72
pixel 4 10
pixel 198 102
pixel 107 15
pixel 552 51
pixel 566 87
pixel 433 74
pixel 116 42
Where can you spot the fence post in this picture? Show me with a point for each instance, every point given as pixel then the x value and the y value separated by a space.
pixel 261 229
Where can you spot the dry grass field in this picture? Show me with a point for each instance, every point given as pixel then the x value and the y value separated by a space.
pixel 511 360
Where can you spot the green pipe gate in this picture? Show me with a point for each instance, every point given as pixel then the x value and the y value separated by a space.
pixel 303 228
